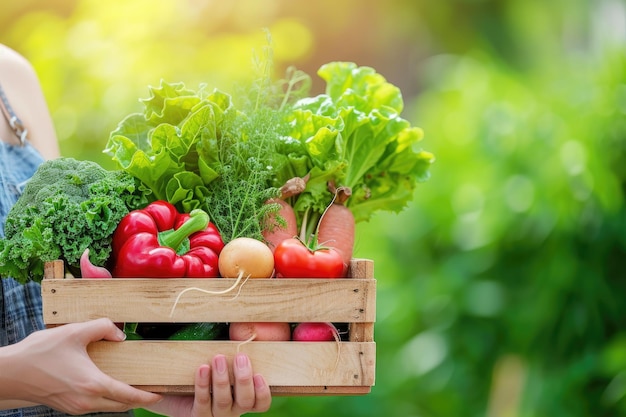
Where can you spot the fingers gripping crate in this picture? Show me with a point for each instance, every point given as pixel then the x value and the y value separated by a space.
pixel 290 368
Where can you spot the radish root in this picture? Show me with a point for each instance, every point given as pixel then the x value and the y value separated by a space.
pixel 227 290
pixel 338 343
pixel 248 340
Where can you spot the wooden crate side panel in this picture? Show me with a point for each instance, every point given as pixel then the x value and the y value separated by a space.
pixel 292 368
pixel 281 363
pixel 277 390
pixel 361 268
pixel 319 391
pixel 54 269
pixel 359 331
pixel 171 300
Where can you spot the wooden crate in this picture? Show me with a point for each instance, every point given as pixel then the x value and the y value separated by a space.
pixel 290 368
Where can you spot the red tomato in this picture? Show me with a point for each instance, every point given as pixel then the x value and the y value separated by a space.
pixel 292 259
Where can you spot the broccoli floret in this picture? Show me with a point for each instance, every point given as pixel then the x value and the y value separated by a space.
pixel 66 207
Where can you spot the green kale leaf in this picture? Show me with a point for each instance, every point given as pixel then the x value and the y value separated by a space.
pixel 66 207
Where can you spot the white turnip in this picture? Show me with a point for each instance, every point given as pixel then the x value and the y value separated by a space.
pixel 246 257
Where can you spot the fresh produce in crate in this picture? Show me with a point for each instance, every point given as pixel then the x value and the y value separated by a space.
pixel 259 331
pixel 230 155
pixel 282 224
pixel 222 166
pixel 246 257
pixel 315 332
pixel 159 242
pixel 293 259
pixel 291 367
pixel 66 207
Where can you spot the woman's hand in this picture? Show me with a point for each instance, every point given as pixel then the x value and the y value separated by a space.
pixel 214 396
pixel 52 367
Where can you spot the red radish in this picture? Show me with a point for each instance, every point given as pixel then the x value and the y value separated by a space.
pixel 263 331
pixel 274 230
pixel 89 270
pixel 315 332
pixel 336 228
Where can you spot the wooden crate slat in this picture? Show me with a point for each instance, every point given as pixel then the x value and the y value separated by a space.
pixel 281 363
pixel 152 300
pixel 291 368
pixel 288 391
pixel 277 390
pixel 361 268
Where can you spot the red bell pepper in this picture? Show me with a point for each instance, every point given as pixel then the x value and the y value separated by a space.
pixel 159 242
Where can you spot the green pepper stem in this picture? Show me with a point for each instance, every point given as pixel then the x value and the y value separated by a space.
pixel 198 220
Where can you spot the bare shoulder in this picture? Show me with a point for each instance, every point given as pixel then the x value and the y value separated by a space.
pixel 21 85
pixel 15 64
pixel 8 55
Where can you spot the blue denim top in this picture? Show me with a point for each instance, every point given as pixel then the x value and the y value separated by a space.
pixel 20 305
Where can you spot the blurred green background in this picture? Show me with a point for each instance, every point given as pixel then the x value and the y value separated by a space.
pixel 501 287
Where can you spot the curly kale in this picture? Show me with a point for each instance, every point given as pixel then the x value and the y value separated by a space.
pixel 67 206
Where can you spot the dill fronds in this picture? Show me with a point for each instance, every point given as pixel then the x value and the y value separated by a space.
pixel 248 145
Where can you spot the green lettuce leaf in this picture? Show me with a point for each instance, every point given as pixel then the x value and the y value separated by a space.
pixel 197 149
pixel 172 146
pixel 354 136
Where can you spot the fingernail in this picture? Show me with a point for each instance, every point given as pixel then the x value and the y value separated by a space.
pixel 259 381
pixel 121 335
pixel 220 364
pixel 242 361
pixel 204 372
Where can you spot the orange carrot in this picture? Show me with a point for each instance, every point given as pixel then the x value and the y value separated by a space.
pixel 282 225
pixel 336 228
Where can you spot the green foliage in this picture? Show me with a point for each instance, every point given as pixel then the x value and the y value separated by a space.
pixel 199 150
pixel 518 253
pixel 66 207
pixel 506 268
pixel 203 150
pixel 236 199
pixel 354 136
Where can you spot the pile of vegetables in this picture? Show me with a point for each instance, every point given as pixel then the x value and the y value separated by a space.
pixel 268 183
pixel 66 207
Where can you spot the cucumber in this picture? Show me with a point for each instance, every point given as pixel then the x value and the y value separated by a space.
pixel 130 330
pixel 199 331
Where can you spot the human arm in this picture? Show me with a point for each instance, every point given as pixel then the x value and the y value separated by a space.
pixel 52 367
pixel 23 90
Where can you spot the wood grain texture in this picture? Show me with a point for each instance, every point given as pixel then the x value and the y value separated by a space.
pixel 281 363
pixel 155 300
pixel 291 368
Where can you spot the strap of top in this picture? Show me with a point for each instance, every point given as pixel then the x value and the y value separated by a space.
pixel 16 124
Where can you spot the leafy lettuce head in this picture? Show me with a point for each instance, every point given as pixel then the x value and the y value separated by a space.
pixel 354 136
